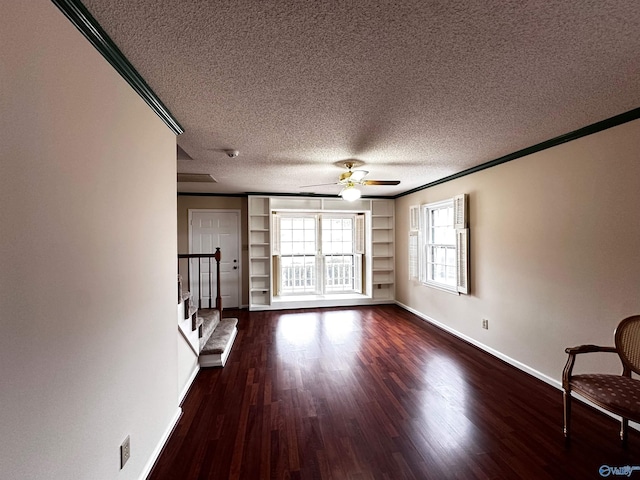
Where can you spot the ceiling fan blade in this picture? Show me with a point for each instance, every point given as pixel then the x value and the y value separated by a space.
pixel 318 185
pixel 358 175
pixel 344 177
pixel 380 182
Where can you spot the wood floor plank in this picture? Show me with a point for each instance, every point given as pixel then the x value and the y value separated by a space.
pixel 376 393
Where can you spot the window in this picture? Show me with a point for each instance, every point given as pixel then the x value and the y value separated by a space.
pixel 298 248
pixel 339 259
pixel 316 254
pixel 439 247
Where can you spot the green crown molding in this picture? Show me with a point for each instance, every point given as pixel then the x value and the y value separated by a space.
pixel 317 195
pixel 567 137
pixel 271 194
pixel 211 194
pixel 89 27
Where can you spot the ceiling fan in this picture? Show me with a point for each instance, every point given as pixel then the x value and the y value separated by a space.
pixel 350 179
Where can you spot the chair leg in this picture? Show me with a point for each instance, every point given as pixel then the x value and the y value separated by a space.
pixel 624 427
pixel 567 414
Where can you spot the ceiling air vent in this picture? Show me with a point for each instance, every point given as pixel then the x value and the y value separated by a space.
pixel 196 177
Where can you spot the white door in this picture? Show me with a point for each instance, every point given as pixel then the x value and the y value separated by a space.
pixel 210 229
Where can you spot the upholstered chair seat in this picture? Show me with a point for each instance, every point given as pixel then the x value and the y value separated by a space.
pixel 619 394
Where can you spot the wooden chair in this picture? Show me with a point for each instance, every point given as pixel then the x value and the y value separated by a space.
pixel 619 394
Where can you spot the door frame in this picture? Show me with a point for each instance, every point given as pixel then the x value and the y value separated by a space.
pixel 238 212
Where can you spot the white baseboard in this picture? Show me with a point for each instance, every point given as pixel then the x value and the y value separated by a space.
pixel 331 301
pixel 188 384
pixel 511 361
pixel 156 451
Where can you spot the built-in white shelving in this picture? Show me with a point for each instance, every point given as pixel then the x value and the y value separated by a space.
pixel 382 250
pixel 259 253
pixel 379 238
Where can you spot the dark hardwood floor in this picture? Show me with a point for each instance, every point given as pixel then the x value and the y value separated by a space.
pixel 376 393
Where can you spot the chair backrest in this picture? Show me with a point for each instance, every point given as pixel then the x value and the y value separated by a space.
pixel 627 338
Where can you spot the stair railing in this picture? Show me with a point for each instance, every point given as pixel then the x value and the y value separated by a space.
pixel 200 256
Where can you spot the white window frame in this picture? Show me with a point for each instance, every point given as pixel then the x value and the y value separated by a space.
pixel 461 244
pixel 316 256
pixel 320 287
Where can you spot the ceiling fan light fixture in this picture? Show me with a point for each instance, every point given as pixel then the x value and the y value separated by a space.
pixel 350 193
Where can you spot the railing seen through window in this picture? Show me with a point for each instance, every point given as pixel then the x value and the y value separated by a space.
pixel 298 273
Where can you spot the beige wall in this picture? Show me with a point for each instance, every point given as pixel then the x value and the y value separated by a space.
pixel 187 202
pixel 554 251
pixel 87 246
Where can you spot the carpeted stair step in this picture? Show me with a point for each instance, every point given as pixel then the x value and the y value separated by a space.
pixel 217 349
pixel 220 337
pixel 190 307
pixel 184 295
pixel 210 320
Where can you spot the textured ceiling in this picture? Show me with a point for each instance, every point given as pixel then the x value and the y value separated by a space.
pixel 418 90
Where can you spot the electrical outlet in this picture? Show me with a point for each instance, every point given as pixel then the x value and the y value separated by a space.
pixel 125 451
pixel 485 324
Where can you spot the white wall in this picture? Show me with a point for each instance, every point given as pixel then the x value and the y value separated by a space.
pixel 88 349
pixel 555 257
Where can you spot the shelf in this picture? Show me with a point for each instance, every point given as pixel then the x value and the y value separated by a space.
pixel 382 208
pixel 259 251
pixel 259 299
pixel 382 265
pixel 382 291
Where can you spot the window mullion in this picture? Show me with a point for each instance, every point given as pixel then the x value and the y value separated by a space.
pixel 319 234
pixel 320 287
pixel 319 260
